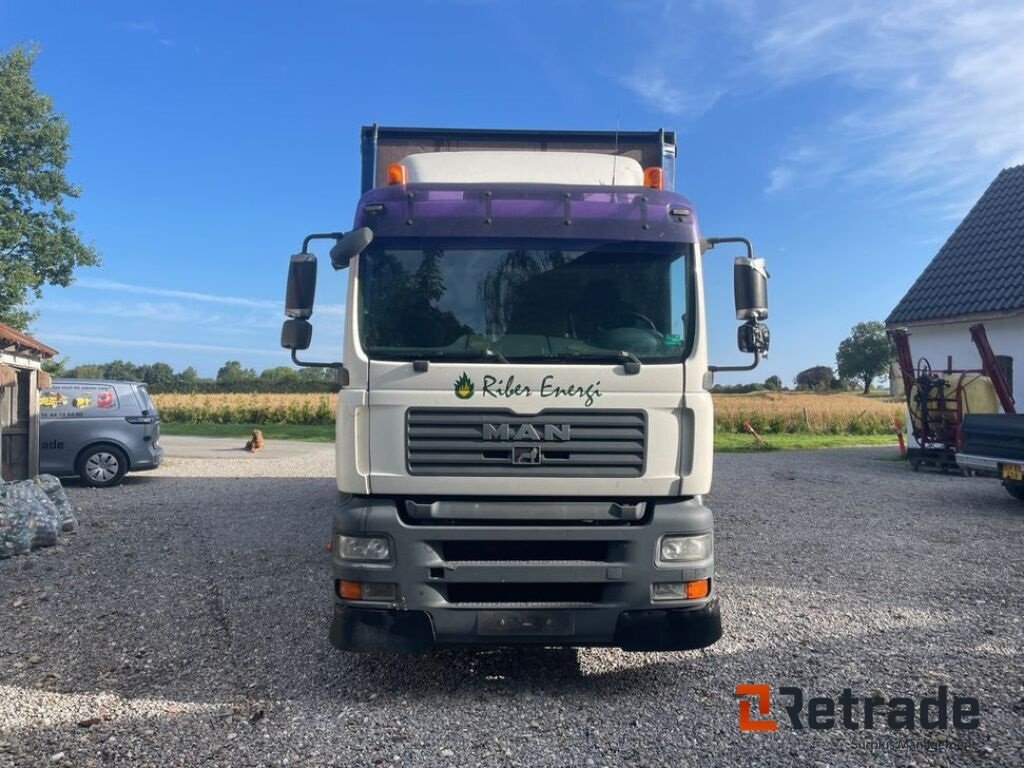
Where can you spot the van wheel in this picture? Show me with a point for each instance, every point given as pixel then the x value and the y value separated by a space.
pixel 102 466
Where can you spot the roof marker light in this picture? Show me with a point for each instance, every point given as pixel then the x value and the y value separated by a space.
pixel 654 178
pixel 396 174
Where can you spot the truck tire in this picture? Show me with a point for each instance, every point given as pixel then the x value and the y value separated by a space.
pixel 1015 489
pixel 102 466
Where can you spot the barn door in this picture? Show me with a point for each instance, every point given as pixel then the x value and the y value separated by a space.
pixel 15 422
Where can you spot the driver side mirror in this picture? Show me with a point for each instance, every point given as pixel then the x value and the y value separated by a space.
pixel 350 246
pixel 296 333
pixel 301 291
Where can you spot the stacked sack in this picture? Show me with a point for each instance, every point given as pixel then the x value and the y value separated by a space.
pixel 33 513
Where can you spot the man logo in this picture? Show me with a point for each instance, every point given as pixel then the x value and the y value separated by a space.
pixel 528 432
pixel 761 693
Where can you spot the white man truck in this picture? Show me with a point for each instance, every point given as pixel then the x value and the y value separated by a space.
pixel 524 428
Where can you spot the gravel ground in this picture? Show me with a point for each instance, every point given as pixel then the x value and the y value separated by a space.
pixel 187 624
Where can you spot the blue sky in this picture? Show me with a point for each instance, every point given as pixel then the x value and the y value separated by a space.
pixel 846 140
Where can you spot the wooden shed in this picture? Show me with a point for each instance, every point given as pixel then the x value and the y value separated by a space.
pixel 21 378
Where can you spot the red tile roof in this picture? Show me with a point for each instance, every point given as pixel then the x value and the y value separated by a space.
pixel 10 337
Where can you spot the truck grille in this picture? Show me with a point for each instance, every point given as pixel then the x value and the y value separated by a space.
pixel 553 443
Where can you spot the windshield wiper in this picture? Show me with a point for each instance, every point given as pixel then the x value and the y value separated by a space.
pixel 488 352
pixel 466 354
pixel 630 362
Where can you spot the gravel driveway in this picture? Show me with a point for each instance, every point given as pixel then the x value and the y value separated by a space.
pixel 187 624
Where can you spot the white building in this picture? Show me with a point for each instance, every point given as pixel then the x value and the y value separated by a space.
pixel 976 277
pixel 21 377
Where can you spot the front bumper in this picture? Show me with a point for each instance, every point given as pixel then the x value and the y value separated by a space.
pixel 372 630
pixel 556 583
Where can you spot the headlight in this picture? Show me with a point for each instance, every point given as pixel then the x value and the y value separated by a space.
pixel 374 548
pixel 684 549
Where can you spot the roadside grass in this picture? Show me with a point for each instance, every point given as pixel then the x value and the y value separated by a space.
pixel 318 433
pixel 725 442
pixel 732 442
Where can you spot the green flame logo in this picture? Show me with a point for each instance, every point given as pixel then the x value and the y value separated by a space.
pixel 464 387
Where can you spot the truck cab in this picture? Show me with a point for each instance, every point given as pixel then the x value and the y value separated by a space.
pixel 524 433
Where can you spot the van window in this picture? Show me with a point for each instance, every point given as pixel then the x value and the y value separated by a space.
pixel 69 401
pixel 144 400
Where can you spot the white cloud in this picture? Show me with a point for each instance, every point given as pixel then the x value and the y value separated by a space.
pixel 211 298
pixel 669 96
pixel 140 25
pixel 165 311
pixel 939 87
pixel 107 341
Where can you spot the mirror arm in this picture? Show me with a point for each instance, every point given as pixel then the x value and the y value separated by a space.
pixel 304 364
pixel 320 236
pixel 339 367
pixel 711 242
pixel 752 366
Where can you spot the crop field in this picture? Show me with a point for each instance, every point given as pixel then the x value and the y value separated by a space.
pixel 767 412
pixel 807 413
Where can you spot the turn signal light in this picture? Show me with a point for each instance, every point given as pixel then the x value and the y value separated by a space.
pixel 367 590
pixel 696 589
pixel 350 590
pixel 396 174
pixel 654 178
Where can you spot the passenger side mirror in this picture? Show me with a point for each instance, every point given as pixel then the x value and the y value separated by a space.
pixel 350 246
pixel 301 290
pixel 752 337
pixel 750 288
pixel 750 291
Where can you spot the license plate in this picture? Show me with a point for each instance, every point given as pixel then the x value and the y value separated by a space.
pixel 538 623
pixel 1012 472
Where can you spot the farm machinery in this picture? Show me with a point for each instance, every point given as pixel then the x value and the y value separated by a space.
pixel 942 404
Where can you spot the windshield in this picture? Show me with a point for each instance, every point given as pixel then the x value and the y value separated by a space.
pixel 524 301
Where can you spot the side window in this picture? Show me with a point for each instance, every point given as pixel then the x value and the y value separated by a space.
pixel 1006 363
pixel 70 401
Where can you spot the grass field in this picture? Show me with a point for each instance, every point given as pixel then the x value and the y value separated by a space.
pixel 769 413
pixel 785 420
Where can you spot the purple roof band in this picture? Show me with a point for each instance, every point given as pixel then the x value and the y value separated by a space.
pixel 528 210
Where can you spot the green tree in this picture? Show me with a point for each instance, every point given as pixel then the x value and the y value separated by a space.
pixel 55 367
pixel 159 377
pixel 87 371
pixel 773 383
pixel 119 370
pixel 817 378
pixel 38 244
pixel 234 378
pixel 186 380
pixel 316 375
pixel 864 354
pixel 279 379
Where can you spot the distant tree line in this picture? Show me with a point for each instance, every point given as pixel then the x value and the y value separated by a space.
pixel 771 384
pixel 231 377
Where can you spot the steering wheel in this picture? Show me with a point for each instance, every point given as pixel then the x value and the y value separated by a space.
pixel 635 316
